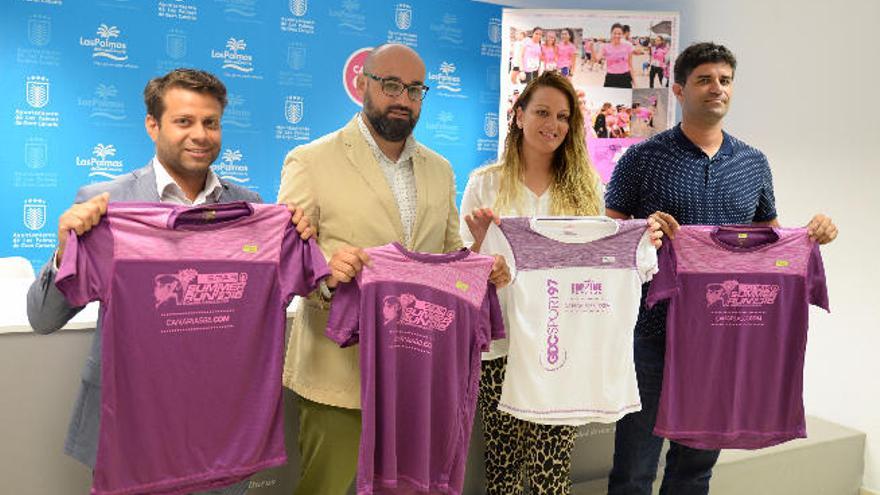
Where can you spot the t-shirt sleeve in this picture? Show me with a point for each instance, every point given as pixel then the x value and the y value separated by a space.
pixel 623 189
pixel 84 271
pixel 343 324
pixel 816 286
pixel 302 264
pixel 766 208
pixel 665 282
pixel 646 258
pixel 492 320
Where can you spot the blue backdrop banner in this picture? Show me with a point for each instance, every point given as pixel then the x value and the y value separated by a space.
pixel 73 74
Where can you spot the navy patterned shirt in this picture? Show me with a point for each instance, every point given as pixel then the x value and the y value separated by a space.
pixel 669 173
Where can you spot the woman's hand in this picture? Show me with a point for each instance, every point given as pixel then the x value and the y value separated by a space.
pixel 478 222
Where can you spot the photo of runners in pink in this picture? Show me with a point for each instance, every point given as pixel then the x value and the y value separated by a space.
pixel 619 63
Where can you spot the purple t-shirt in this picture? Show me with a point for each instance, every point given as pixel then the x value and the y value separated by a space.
pixel 422 321
pixel 736 334
pixel 193 311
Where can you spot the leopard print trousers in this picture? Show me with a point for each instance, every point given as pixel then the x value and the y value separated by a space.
pixel 514 446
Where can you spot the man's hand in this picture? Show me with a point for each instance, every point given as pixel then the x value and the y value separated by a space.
pixel 301 221
pixel 668 224
pixel 478 223
pixel 500 275
pixel 345 264
pixel 80 218
pixel 655 232
pixel 822 229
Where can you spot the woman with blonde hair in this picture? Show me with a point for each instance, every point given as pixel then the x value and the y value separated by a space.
pixel 544 170
pixel 549 52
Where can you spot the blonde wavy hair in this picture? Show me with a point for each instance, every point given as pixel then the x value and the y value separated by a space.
pixel 573 190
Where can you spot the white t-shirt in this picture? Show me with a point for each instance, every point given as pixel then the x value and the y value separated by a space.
pixel 481 191
pixel 571 309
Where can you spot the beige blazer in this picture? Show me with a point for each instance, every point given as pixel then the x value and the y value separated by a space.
pixel 340 186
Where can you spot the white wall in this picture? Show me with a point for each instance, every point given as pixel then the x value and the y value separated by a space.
pixel 807 93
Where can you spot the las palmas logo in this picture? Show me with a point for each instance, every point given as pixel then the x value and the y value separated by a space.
pixel 105 105
pixel 243 8
pixel 448 29
pixel 293 109
pixel 99 165
pixel 235 45
pixel 350 16
pixel 34 214
pixel 105 91
pixel 37 91
pixel 230 156
pixel 445 79
pixel 445 129
pixel 104 46
pixel 235 114
pixel 232 59
pixel 103 152
pixel 403 16
pixel 228 170
pixel 298 7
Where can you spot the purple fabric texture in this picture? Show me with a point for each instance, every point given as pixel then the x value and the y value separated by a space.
pixel 534 251
pixel 193 310
pixel 422 321
pixel 736 334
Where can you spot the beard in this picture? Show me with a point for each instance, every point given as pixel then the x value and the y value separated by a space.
pixel 391 129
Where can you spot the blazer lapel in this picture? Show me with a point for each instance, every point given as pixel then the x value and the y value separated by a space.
pixel 361 158
pixel 145 184
pixel 423 191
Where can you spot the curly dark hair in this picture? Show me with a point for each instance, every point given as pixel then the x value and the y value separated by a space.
pixel 191 79
pixel 699 54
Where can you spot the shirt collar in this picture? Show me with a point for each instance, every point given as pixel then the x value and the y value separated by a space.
pixel 726 142
pixel 166 186
pixel 409 147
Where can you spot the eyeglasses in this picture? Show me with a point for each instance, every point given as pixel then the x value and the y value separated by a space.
pixel 394 88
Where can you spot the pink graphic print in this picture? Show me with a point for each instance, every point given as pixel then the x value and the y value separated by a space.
pixel 554 356
pixel 732 294
pixel 587 288
pixel 406 309
pixel 188 287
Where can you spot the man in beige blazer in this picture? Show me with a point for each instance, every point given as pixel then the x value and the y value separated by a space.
pixel 365 185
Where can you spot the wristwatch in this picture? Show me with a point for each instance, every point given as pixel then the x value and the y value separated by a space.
pixel 326 291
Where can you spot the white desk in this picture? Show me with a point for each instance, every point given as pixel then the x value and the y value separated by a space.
pixel 13 315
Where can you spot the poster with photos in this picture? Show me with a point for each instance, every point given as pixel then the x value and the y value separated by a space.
pixel 620 64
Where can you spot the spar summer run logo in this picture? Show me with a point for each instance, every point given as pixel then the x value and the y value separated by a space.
pixel 734 294
pixel 188 287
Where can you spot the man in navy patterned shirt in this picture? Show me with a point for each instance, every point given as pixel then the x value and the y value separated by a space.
pixel 694 173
